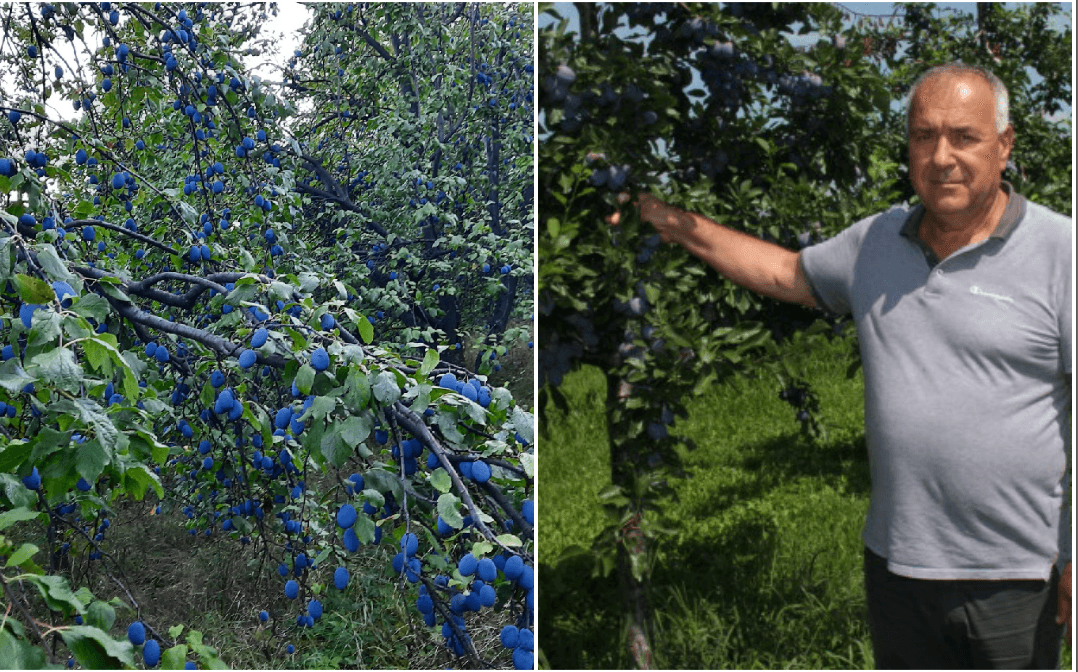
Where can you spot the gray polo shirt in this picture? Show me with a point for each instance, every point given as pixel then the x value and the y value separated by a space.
pixel 967 364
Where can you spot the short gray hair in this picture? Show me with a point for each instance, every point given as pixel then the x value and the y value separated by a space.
pixel 959 68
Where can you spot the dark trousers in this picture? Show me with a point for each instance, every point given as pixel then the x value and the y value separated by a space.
pixel 929 624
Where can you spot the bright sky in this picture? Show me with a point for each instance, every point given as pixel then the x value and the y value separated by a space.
pixel 289 20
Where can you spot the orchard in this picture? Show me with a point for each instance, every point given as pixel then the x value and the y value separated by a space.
pixel 240 305
pixel 784 120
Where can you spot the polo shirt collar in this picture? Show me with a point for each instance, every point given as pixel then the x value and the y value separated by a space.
pixel 1016 209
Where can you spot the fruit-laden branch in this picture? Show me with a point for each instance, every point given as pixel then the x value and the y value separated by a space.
pixel 137 316
pixel 440 605
pixel 338 196
pixel 144 289
pixel 373 43
pixel 105 153
pixel 415 425
pixel 215 343
pixel 127 232
pixel 498 496
pixel 456 14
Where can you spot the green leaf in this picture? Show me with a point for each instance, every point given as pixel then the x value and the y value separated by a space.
pixel 356 429
pixel 305 379
pixel 33 290
pixel 364 529
pixel 430 360
pixel 323 405
pixel 50 261
pixel 9 518
pixel 447 423
pixel 174 658
pixel 56 593
pixel 357 390
pixel 17 653
pixel 138 479
pixel 112 290
pixel 98 356
pixel 45 328
pixel 449 510
pixel 247 262
pixel 524 423
pixel 527 461
pixel 89 411
pixel 510 540
pixel 334 448
pixel 22 554
pixel 91 459
pixel 366 330
pixel 94 649
pixel 100 614
pixel 17 493
pixel 382 481
pixel 375 498
pixel 57 367
pixel 386 389
pixel 12 376
pixel 440 480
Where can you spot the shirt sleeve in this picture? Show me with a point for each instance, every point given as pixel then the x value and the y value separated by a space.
pixel 829 267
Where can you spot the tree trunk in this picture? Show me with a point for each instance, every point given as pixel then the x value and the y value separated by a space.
pixel 632 548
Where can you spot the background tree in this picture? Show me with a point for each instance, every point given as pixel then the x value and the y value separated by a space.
pixel 714 109
pixel 250 300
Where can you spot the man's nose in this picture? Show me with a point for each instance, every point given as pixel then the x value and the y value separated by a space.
pixel 943 154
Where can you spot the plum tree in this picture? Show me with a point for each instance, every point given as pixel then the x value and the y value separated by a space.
pixel 216 291
pixel 712 109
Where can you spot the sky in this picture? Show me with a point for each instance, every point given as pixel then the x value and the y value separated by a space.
pixel 290 18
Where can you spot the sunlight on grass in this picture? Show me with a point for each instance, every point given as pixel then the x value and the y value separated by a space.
pixel 765 571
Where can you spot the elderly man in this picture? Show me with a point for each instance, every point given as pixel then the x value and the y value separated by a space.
pixel 963 314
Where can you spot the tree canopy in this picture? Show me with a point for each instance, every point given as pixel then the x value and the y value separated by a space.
pixel 249 298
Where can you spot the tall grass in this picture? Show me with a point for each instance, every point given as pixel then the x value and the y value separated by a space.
pixel 766 568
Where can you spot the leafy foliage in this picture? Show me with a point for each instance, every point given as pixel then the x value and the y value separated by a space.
pixel 244 296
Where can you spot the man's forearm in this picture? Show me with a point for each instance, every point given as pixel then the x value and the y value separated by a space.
pixel 745 260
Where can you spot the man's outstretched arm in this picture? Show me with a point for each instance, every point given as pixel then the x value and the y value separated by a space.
pixel 745 260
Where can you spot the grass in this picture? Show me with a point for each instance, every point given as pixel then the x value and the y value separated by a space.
pixel 217 587
pixel 765 571
pixel 210 586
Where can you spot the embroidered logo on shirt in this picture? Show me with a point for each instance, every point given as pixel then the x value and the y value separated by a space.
pixel 974 289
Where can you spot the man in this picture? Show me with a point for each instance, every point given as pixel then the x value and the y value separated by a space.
pixel 963 313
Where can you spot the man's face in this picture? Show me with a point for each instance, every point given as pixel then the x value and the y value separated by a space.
pixel 956 156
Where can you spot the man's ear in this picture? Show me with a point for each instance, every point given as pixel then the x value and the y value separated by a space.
pixel 1006 139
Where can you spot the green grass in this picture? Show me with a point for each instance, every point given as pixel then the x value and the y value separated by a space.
pixel 765 571
pixel 217 587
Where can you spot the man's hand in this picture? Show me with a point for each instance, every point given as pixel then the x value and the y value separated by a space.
pixel 1063 611
pixel 670 223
